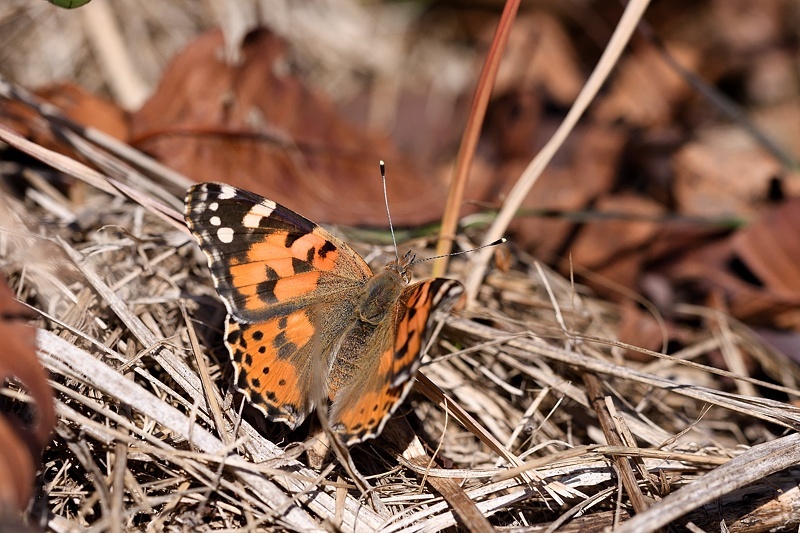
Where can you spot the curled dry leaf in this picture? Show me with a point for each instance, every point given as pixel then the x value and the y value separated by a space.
pixel 21 443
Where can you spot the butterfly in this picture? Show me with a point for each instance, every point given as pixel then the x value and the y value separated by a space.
pixel 307 318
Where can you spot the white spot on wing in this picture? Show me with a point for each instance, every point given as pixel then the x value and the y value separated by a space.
pixel 225 235
pixel 262 210
pixel 251 220
pixel 215 221
pixel 265 208
pixel 213 206
pixel 226 192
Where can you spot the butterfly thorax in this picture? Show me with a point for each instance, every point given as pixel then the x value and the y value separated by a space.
pixel 380 294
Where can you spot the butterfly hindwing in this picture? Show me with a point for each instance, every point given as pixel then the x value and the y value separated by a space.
pixel 362 408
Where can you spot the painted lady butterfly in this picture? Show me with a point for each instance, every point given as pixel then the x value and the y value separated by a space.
pixel 307 318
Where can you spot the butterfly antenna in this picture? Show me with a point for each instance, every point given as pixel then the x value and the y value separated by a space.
pixel 388 212
pixel 495 243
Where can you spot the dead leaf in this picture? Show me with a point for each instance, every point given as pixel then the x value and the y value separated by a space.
pixel 76 104
pixel 770 247
pixel 616 248
pixel 647 89
pixel 724 173
pixel 256 126
pixel 715 267
pixel 21 442
pixel 88 109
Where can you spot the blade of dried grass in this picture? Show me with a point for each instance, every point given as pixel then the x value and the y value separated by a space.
pixel 479 261
pixel 119 172
pixel 54 116
pixel 469 140
pixel 60 162
pixel 710 344
pixel 205 379
pixel 624 467
pixel 118 485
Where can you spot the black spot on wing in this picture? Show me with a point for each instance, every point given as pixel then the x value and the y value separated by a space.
pixel 266 291
pixel 327 247
pixel 301 266
pixel 233 336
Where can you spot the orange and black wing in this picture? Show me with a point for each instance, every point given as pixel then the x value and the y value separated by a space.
pixel 393 356
pixel 281 278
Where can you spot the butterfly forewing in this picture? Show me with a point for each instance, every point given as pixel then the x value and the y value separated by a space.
pixel 266 259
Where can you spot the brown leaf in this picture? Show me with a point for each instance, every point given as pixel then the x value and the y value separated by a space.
pixel 770 247
pixel 715 267
pixel 647 89
pixel 87 108
pixel 20 443
pixel 724 172
pixel 630 227
pixel 256 126
pixel 755 268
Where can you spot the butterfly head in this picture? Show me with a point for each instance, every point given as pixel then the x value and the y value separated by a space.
pixel 402 266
